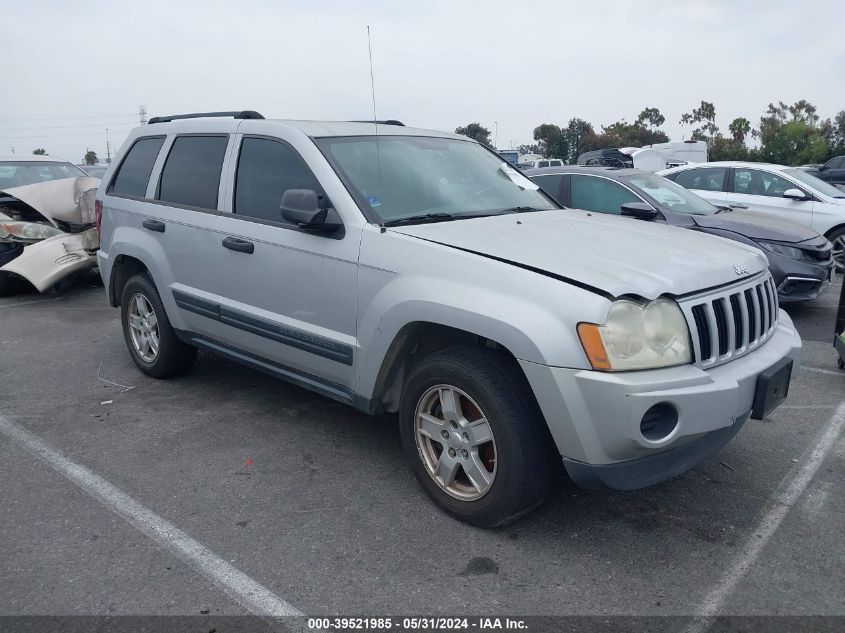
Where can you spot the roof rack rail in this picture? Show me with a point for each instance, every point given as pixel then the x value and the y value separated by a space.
pixel 385 122
pixel 242 114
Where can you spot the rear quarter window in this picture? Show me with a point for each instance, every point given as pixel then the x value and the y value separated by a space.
pixel 133 175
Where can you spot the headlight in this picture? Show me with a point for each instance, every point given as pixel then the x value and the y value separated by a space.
pixel 638 336
pixel 786 251
pixel 27 231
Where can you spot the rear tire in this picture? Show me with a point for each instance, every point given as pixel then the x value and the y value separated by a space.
pixel 487 484
pixel 150 338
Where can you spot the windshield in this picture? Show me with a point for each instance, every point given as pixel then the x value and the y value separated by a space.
pixel 17 174
pixel 816 183
pixel 96 171
pixel 670 195
pixel 411 176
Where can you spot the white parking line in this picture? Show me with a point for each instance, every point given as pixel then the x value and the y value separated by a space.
pixel 819 370
pixel 243 589
pixel 787 494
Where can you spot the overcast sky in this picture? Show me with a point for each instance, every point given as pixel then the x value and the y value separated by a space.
pixel 75 69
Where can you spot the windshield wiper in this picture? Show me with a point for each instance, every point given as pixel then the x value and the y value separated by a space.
pixel 423 218
pixel 721 209
pixel 521 210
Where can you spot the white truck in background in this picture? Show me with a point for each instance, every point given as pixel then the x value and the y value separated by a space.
pixel 673 154
pixel 649 158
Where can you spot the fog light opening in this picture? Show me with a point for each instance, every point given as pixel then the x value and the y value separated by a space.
pixel 659 421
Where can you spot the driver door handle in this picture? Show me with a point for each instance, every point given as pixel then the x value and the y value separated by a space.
pixel 239 245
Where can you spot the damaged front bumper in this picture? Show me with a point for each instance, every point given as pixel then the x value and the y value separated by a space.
pixel 45 263
pixel 68 206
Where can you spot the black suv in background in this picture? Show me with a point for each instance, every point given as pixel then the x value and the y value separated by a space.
pixel 800 259
pixel 833 171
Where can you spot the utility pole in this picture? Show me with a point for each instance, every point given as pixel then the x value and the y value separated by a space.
pixel 108 148
pixel 142 114
pixel 13 151
pixel 496 135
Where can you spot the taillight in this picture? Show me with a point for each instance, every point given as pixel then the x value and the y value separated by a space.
pixel 98 214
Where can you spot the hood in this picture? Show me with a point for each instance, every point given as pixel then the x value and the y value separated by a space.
pixel 612 254
pixel 67 200
pixel 757 226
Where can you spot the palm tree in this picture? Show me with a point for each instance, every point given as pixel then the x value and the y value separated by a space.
pixel 739 128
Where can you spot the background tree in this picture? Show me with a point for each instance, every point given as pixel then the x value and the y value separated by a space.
pixel 650 119
pixel 789 135
pixel 833 132
pixel 705 116
pixel 90 157
pixel 739 128
pixel 576 132
pixel 40 151
pixel 529 149
pixel 477 132
pixel 548 137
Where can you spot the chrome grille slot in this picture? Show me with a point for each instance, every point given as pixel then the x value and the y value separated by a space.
pixel 729 323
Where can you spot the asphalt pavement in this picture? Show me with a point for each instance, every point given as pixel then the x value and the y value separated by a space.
pixel 122 494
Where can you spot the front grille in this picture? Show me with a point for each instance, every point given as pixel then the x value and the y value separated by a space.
pixel 732 322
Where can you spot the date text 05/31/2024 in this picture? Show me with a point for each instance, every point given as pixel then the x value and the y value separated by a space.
pixel 415 623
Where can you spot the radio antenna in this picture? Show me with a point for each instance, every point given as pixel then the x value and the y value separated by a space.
pixel 375 115
pixel 372 80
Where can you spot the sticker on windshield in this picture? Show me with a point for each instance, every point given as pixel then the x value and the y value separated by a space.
pixel 373 201
pixel 521 181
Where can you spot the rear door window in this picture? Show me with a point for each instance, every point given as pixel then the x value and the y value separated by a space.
pixel 598 194
pixel 266 169
pixel 754 182
pixel 191 174
pixel 133 175
pixel 703 179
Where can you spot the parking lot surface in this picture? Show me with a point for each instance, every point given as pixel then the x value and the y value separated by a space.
pixel 314 502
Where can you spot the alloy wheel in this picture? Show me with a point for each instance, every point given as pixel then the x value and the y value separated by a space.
pixel 839 253
pixel 455 442
pixel 143 327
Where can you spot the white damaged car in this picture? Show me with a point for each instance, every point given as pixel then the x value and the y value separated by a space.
pixel 47 222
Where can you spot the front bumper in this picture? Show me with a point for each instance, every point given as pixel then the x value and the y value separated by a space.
pixel 798 280
pixel 45 263
pixel 595 417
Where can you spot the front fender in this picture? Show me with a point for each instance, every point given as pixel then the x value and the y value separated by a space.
pixel 531 330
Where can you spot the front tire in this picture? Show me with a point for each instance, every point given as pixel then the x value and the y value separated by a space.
pixel 837 238
pixel 150 338
pixel 475 438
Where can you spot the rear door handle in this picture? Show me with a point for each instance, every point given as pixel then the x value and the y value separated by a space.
pixel 242 246
pixel 153 225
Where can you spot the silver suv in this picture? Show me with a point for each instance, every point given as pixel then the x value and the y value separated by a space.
pixel 416 272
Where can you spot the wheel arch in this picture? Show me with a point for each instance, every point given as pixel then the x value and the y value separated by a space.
pixel 417 340
pixel 123 269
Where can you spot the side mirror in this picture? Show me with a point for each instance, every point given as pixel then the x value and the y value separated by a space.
pixel 639 210
pixel 795 194
pixel 309 211
pixel 823 167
